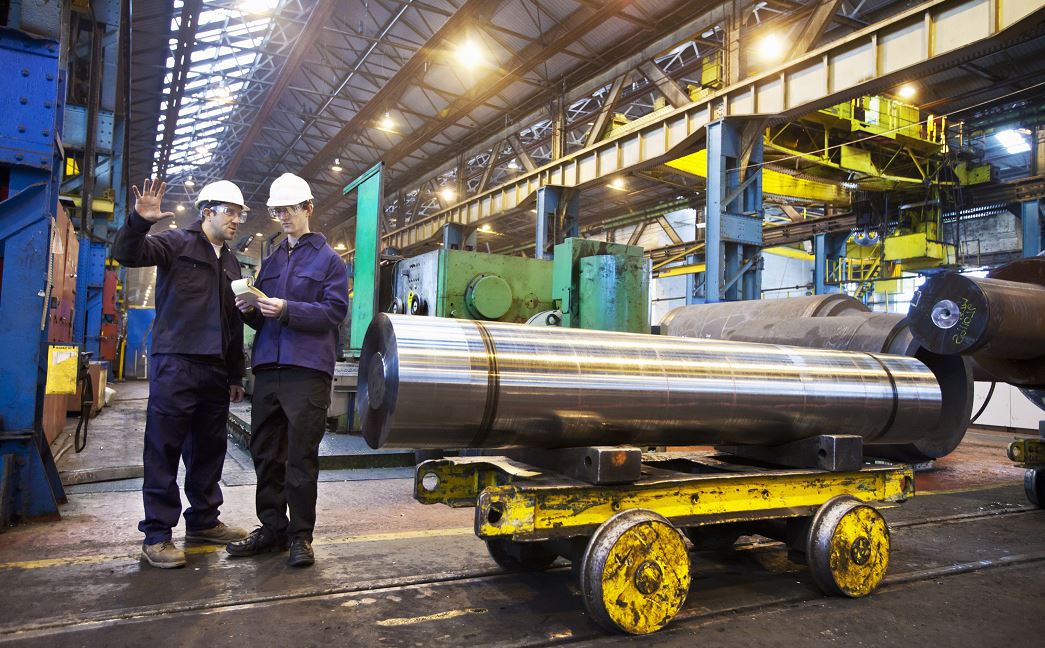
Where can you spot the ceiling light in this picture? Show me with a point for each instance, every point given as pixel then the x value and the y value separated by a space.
pixel 254 6
pixel 485 227
pixel 771 48
pixel 513 165
pixel 617 183
pixel 219 95
pixel 907 91
pixel 336 167
pixel 851 186
pixel 189 182
pixel 180 207
pixel 340 246
pixel 447 194
pixel 173 225
pixel 469 54
pixel 1012 141
pixel 259 234
pixel 387 123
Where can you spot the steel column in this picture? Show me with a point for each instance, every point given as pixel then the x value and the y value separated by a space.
pixel 558 218
pixel 365 273
pixel 734 216
pixel 1030 212
pixel 827 249
pixel 90 283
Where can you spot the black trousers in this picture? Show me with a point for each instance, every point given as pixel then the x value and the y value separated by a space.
pixel 186 420
pixel 288 418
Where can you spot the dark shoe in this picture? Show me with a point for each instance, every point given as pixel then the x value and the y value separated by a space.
pixel 164 555
pixel 301 553
pixel 258 541
pixel 218 534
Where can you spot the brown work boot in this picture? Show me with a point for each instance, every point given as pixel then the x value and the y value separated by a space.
pixel 164 555
pixel 218 534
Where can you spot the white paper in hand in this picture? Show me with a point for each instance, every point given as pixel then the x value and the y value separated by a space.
pixel 245 290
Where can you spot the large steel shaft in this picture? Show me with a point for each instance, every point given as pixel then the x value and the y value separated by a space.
pixel 435 383
pixel 842 323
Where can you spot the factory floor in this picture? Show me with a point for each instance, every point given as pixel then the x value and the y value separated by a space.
pixel 967 568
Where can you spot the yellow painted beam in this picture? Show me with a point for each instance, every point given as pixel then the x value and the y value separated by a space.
pixel 773 182
pixel 790 252
pixel 678 271
pixel 97 205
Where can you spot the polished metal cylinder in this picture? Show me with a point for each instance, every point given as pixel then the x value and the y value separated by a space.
pixel 852 329
pixel 436 383
pixel 718 320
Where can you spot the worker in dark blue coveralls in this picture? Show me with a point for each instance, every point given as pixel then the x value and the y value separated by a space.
pixel 306 288
pixel 196 363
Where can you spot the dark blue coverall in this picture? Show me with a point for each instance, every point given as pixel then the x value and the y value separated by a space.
pixel 196 355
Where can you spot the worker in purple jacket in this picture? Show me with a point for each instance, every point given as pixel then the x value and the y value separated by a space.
pixel 306 288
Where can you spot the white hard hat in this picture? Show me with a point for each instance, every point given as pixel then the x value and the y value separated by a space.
pixel 288 189
pixel 221 191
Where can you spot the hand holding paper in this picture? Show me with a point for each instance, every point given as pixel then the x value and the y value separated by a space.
pixel 244 290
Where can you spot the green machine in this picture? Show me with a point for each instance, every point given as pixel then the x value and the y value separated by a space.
pixel 601 286
pixel 472 285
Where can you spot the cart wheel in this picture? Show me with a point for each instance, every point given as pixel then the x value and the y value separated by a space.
pixel 1034 486
pixel 520 556
pixel 848 547
pixel 635 572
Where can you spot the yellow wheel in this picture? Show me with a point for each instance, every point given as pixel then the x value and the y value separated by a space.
pixel 848 547
pixel 635 572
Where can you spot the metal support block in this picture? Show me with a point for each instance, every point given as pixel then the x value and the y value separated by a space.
pixel 833 452
pixel 456 237
pixel 1028 453
pixel 594 465
pixel 29 484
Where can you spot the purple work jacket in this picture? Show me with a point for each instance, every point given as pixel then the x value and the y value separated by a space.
pixel 314 282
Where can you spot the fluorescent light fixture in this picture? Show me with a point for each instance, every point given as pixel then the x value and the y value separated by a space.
pixel 1012 141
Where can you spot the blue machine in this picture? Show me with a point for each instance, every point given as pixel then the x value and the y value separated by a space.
pixel 32 104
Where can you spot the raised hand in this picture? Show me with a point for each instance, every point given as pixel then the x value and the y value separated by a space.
pixel 147 201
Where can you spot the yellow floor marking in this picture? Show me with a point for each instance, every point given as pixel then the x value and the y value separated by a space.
pixel 955 491
pixel 206 549
pixel 430 617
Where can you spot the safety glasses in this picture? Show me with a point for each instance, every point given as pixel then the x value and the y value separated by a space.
pixel 237 214
pixel 280 212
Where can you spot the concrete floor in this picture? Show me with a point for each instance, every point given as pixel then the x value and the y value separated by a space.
pixel 967 568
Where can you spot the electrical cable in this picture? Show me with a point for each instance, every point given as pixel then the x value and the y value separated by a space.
pixel 86 405
pixel 990 392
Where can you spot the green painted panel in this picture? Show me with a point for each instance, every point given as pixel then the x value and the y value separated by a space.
pixel 614 293
pixel 474 285
pixel 566 274
pixel 368 240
